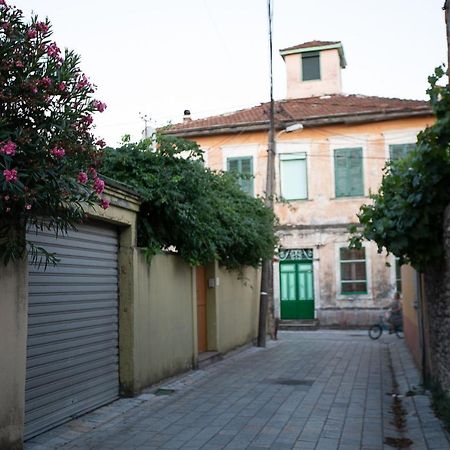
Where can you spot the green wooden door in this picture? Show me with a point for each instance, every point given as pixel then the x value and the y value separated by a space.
pixel 297 290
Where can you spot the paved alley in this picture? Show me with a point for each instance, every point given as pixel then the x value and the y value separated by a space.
pixel 324 390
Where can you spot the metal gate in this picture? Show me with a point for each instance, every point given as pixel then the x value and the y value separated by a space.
pixel 72 347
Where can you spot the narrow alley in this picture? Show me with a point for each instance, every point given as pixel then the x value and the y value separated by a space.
pixel 321 390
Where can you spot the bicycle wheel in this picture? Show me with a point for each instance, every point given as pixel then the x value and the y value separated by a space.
pixel 375 331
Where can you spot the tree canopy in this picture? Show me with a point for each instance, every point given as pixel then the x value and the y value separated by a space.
pixel 407 213
pixel 203 214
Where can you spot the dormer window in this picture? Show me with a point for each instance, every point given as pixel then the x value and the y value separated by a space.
pixel 310 66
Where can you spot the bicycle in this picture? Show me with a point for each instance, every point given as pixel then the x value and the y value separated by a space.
pixel 375 331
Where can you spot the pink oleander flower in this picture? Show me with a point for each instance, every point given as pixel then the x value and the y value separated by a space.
pixel 2 2
pixel 46 82
pixel 32 33
pixel 98 105
pixel 41 26
pixel 101 143
pixel 28 206
pixel 6 197
pixel 87 120
pixel 58 152
pixel 61 86
pixel 104 203
pixel 53 50
pixel 19 64
pixel 92 172
pixel 33 88
pixel 83 82
pixel 8 149
pixel 82 178
pixel 10 175
pixel 99 185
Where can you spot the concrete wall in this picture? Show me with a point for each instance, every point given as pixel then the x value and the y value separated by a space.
pixel 232 307
pixel 164 338
pixel 13 336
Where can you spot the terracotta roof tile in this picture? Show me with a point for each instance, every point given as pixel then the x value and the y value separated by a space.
pixel 310 44
pixel 304 109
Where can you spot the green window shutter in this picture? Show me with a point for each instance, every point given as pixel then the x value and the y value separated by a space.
pixel 310 66
pixel 399 151
pixel 294 183
pixel 348 172
pixel 242 166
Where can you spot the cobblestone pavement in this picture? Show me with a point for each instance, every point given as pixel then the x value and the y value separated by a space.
pixel 321 390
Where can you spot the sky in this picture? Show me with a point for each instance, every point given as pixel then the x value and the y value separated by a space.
pixel 159 57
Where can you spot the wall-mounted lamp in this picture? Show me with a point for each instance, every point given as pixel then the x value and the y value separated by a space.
pixel 293 127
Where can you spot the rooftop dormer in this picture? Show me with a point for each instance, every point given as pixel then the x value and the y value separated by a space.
pixel 313 68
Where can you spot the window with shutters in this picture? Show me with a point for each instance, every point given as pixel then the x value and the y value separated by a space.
pixel 242 166
pixel 348 172
pixel 293 174
pixel 398 151
pixel 310 66
pixel 353 271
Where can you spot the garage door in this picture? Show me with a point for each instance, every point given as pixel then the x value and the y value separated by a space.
pixel 72 347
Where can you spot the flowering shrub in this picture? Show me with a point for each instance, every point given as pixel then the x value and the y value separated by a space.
pixel 48 154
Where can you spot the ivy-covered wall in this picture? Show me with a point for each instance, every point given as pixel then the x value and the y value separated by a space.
pixel 437 287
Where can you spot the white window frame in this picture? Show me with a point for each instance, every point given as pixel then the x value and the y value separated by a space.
pixel 242 151
pixel 337 256
pixel 293 147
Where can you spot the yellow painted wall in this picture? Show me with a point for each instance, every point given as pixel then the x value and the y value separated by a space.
pixel 237 307
pixel 164 335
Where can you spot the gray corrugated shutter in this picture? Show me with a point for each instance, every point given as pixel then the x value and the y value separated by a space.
pixel 72 348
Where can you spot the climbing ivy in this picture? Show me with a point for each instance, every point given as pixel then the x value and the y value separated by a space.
pixel 203 214
pixel 406 214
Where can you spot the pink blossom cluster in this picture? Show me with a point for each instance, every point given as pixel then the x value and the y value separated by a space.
pixel 58 152
pixel 10 175
pixel 98 105
pixel 2 2
pixel 82 178
pixel 42 27
pixel 99 185
pixel 104 203
pixel 83 82
pixel 101 143
pixel 32 33
pixel 53 50
pixel 9 148
pixel 45 82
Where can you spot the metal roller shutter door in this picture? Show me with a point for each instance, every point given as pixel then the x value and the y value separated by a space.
pixel 72 347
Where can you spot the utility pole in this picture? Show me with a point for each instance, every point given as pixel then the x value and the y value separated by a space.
pixel 266 296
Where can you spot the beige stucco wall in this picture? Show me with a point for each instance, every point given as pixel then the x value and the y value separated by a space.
pixel 164 338
pixel 237 307
pixel 330 76
pixel 13 332
pixel 320 222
